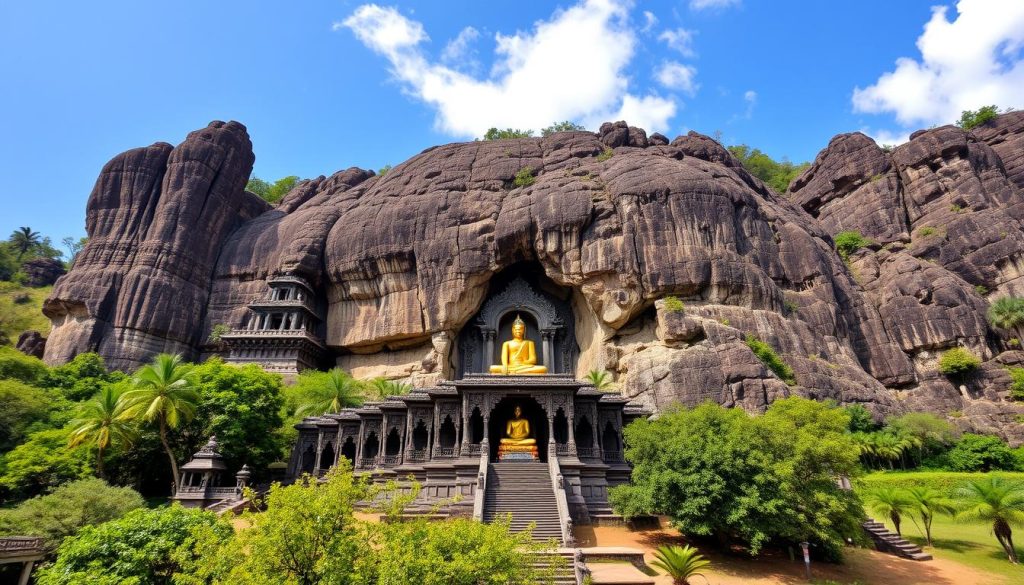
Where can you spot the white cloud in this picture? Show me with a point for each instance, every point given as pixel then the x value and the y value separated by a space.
pixel 887 137
pixel 677 76
pixel 972 61
pixel 679 39
pixel 650 21
pixel 750 96
pixel 538 77
pixel 704 4
pixel 459 52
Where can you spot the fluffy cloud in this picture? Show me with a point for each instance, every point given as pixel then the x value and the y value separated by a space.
pixel 538 77
pixel 969 62
pixel 650 21
pixel 677 76
pixel 679 39
pixel 705 4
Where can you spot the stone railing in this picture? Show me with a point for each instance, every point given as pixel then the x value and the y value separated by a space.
pixel 471 449
pixel 446 453
pixel 558 485
pixel 586 452
pixel 17 544
pixel 481 482
pixel 391 460
pixel 613 456
pixel 417 456
pixel 367 463
pixel 565 449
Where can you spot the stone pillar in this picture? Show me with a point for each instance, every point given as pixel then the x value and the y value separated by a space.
pixel 465 426
pixel 407 438
pixel 284 321
pixel 596 434
pixel 383 440
pixel 319 451
pixel 436 430
pixel 359 444
pixel 26 572
pixel 571 417
pixel 489 335
pixel 547 338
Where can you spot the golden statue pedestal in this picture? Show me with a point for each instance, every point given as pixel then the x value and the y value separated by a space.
pixel 518 452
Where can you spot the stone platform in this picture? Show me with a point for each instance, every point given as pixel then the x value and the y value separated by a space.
pixel 518 453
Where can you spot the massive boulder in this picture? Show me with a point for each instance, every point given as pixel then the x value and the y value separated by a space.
pixel 618 221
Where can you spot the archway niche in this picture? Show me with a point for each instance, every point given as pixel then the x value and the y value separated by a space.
pixel 545 307
pixel 585 436
pixel 532 411
pixel 610 441
pixel 561 427
pixel 393 444
pixel 327 457
pixel 420 437
pixel 447 434
pixel 348 451
pixel 371 446
pixel 308 459
pixel 476 427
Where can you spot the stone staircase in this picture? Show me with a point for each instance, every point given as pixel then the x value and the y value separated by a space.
pixel 523 489
pixel 890 542
pixel 564 574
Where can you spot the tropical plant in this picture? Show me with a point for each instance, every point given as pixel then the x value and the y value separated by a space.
pixel 1006 313
pixel 328 391
pixel 997 500
pixel 926 503
pixel 24 240
pixel 975 452
pixel 600 379
pixel 680 562
pixel 889 502
pixel 163 393
pixel 102 423
pixel 382 388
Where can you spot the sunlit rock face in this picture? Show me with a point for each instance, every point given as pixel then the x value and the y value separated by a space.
pixel 614 219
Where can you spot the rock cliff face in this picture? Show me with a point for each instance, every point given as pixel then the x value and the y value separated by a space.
pixel 617 220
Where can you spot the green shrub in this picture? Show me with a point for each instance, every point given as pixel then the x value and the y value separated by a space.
pixel 217 331
pixel 565 126
pixel 972 118
pixel 770 359
pixel 384 170
pixel 23 408
pixel 673 304
pixel 82 377
pixel 1017 386
pixel 849 242
pixel 927 231
pixel 777 174
pixel 41 463
pixel 507 133
pixel 956 208
pixel 1006 313
pixel 15 365
pixel 68 509
pixel 981 290
pixel 524 178
pixel 606 154
pixel 981 453
pixel 958 361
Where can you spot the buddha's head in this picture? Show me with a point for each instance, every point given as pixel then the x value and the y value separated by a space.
pixel 518 328
pixel 518 411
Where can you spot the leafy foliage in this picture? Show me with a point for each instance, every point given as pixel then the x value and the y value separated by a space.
pixel 777 174
pixel 82 377
pixel 1006 313
pixel 1017 386
pixel 720 472
pixel 507 133
pixel 770 359
pixel 138 548
pixel 101 423
pixel 22 409
pixel 524 178
pixel 849 242
pixel 673 304
pixel 981 453
pixel 320 392
pixel 381 388
pixel 680 562
pixel 271 192
pixel 606 154
pixel 600 379
pixel 15 365
pixel 861 420
pixel 971 118
pixel 926 504
pixel 998 501
pixel 890 503
pixel 565 126
pixel 42 462
pixel 68 509
pixel 958 361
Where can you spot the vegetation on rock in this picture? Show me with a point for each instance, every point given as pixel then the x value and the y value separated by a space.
pixel 958 361
pixel 524 178
pixel 777 174
pixel 849 242
pixel 271 192
pixel 971 118
pixel 1006 313
pixel 771 360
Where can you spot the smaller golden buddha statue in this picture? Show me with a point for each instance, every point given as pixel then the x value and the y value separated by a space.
pixel 517 442
pixel 518 355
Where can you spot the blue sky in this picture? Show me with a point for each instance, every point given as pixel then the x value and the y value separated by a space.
pixel 327 84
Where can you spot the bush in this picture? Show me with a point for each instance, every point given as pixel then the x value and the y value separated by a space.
pixel 606 154
pixel 524 178
pixel 861 420
pixel 770 359
pixel 82 377
pixel 849 242
pixel 1017 386
pixel 507 133
pixel 777 174
pixel 68 509
pixel 21 408
pixel 15 365
pixel 958 361
pixel 673 304
pixel 972 118
pixel 981 453
pixel 43 462
pixel 565 126
pixel 137 548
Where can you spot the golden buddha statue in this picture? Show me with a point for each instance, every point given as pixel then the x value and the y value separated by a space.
pixel 517 430
pixel 518 355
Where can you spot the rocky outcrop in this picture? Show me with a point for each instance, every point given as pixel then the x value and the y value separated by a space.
pixel 31 343
pixel 42 271
pixel 615 220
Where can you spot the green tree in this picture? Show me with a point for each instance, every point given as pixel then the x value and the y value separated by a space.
pixel 22 407
pixel 496 134
pixel 680 562
pixel 42 462
pixel 861 419
pixel 101 423
pixel 137 548
pixel 68 509
pixel 565 126
pixel 15 365
pixel 1006 313
pixel 258 186
pixel 778 175
pixel 891 503
pixel 981 453
pixel 81 378
pixel 719 472
pixel 927 503
pixel 932 434
pixel 163 393
pixel 958 362
pixel 74 247
pixel 996 500
pixel 330 391
pixel 271 192
pixel 972 118
pixel 24 241
pixel 382 388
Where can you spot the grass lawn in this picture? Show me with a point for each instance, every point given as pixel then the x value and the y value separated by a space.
pixel 972 544
pixel 21 309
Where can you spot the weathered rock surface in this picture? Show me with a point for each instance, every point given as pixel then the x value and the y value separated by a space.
pixel 43 271
pixel 403 261
pixel 31 343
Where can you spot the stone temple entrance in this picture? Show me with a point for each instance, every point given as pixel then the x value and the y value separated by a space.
pixel 503 411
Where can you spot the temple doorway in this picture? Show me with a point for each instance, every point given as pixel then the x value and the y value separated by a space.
pixel 532 412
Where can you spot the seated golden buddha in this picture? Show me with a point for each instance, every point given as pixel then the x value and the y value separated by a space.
pixel 517 438
pixel 518 355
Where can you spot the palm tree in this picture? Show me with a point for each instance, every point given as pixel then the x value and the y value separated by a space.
pixel 163 392
pixel 600 379
pixel 24 239
pixel 997 500
pixel 927 502
pixel 889 502
pixel 680 562
pixel 329 391
pixel 101 422
pixel 1005 313
pixel 382 387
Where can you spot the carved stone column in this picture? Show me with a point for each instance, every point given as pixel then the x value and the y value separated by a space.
pixel 319 451
pixel 359 444
pixel 547 337
pixel 488 359
pixel 572 424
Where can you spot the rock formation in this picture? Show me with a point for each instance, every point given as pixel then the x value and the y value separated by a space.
pixel 42 271
pixel 618 220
